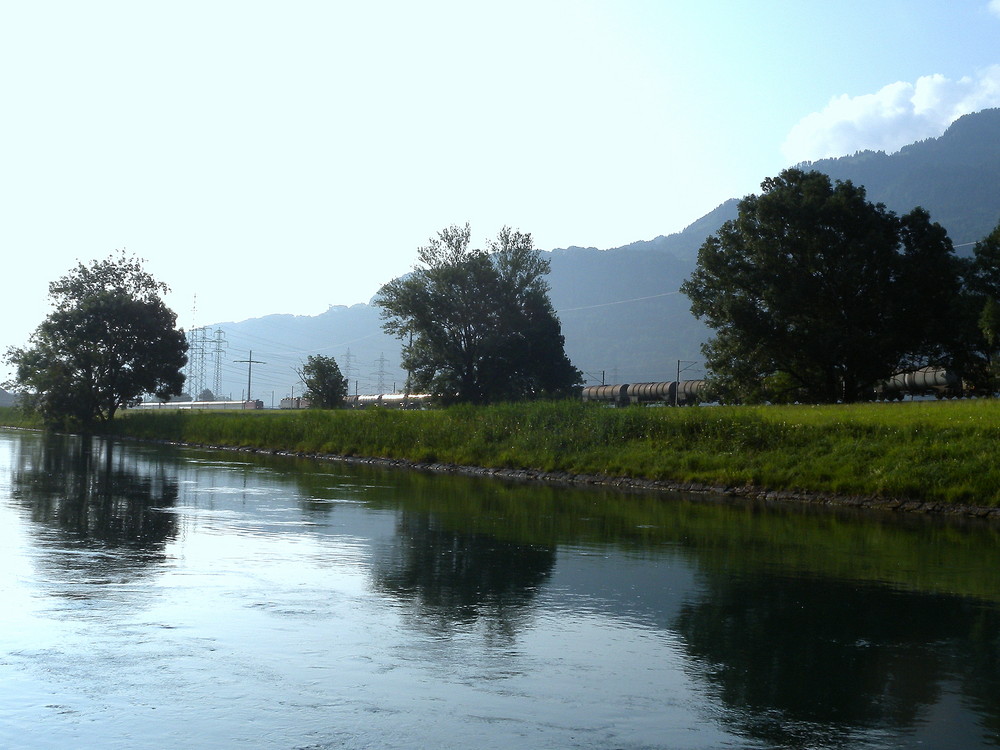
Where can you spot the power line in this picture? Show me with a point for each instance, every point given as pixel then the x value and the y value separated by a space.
pixel 617 302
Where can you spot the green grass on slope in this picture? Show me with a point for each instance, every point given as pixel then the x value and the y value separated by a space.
pixel 934 451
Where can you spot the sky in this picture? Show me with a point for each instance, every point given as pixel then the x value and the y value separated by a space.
pixel 284 157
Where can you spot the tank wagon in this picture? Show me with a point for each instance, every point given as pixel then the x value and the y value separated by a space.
pixel 388 400
pixel 934 381
pixel 616 395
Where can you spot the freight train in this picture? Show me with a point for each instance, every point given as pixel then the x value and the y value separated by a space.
pixel 927 381
pixel 388 400
pixel 201 405
pixel 364 401
pixel 671 393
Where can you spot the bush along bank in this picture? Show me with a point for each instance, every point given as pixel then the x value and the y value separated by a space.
pixel 916 455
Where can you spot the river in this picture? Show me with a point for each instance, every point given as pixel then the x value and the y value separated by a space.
pixel 161 596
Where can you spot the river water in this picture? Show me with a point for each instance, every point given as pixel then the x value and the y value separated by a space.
pixel 160 597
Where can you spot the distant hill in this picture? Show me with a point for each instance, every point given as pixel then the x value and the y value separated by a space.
pixel 6 398
pixel 622 316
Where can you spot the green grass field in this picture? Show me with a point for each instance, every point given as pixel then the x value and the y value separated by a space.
pixel 932 451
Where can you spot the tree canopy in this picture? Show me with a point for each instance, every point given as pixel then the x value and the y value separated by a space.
pixel 815 291
pixel 109 339
pixel 477 325
pixel 984 277
pixel 980 314
pixel 325 386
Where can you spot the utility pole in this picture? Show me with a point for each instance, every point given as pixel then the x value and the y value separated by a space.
pixel 409 350
pixel 677 383
pixel 249 363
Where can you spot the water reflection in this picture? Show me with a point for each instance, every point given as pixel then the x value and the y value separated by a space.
pixel 621 619
pixel 98 510
pixel 453 577
pixel 795 658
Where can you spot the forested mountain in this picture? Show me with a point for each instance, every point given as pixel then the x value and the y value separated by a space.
pixel 956 177
pixel 622 315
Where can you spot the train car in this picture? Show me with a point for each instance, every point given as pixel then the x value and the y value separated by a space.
pixel 617 395
pixel 668 393
pixel 927 381
pixel 388 401
pixel 201 405
pixel 649 393
pixel 405 400
pixel 690 392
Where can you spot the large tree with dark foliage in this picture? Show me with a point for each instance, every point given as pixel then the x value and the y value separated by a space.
pixel 325 386
pixel 109 339
pixel 817 294
pixel 981 308
pixel 477 325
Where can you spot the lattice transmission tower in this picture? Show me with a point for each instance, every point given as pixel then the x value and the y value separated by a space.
pixel 348 368
pixel 380 374
pixel 197 349
pixel 219 346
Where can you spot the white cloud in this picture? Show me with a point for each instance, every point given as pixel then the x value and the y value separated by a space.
pixel 994 7
pixel 896 115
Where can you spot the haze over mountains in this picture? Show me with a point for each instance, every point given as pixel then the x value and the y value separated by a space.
pixel 621 313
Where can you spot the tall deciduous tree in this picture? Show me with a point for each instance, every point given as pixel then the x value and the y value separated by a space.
pixel 477 325
pixel 325 386
pixel 109 339
pixel 982 305
pixel 815 288
pixel 985 272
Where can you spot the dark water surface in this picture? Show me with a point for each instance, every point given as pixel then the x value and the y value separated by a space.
pixel 158 597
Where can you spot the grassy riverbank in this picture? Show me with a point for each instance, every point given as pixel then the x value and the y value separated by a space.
pixel 930 451
pixel 941 452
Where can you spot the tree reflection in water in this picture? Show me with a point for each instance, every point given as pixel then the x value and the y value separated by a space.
pixel 99 513
pixel 801 628
pixel 456 578
pixel 793 658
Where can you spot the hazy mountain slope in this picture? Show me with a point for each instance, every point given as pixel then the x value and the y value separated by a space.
pixel 281 343
pixel 621 312
pixel 955 177
pixel 622 316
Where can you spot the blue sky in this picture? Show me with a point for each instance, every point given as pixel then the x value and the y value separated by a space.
pixel 284 157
